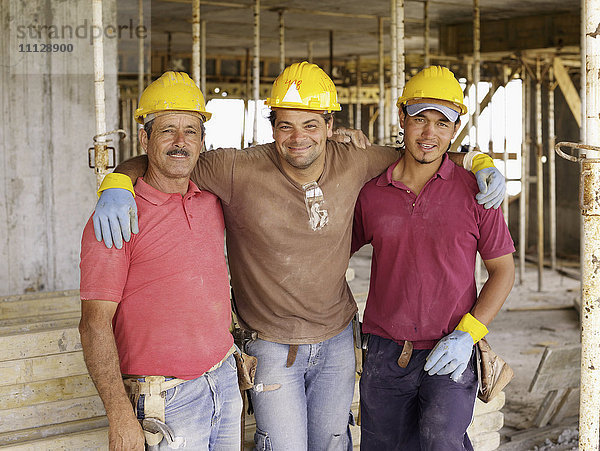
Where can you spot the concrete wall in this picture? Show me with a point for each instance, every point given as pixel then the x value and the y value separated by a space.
pixel 47 124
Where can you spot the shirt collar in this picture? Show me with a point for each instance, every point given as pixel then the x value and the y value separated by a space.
pixel 157 197
pixel 444 172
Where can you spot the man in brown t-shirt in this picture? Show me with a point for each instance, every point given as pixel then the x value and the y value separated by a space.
pixel 288 208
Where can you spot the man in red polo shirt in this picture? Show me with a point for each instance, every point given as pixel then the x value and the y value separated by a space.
pixel 155 314
pixel 426 228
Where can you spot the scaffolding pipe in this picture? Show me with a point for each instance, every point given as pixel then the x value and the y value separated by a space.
pixel 468 91
pixel 426 33
pixel 524 177
pixel 358 117
pixel 140 48
pixel 551 167
pixel 394 75
pixel 476 79
pixel 491 117
pixel 100 149
pixel 281 41
pixel 246 97
pixel 331 54
pixel 401 57
pixel 256 70
pixel 195 42
pixel 476 66
pixel 589 400
pixel 381 119
pixel 203 57
pixel 505 204
pixel 539 173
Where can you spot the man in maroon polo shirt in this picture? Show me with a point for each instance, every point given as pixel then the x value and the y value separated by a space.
pixel 426 228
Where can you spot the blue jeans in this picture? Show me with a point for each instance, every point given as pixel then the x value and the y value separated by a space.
pixel 405 409
pixel 311 407
pixel 205 411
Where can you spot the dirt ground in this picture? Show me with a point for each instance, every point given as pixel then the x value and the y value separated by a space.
pixel 529 321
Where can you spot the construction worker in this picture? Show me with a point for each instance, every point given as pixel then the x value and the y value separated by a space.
pixel 288 209
pixel 155 314
pixel 423 313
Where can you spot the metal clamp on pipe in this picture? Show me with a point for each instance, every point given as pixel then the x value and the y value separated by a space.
pixel 589 182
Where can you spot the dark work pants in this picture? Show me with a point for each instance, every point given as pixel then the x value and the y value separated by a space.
pixel 406 409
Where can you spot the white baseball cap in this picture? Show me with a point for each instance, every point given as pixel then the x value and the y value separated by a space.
pixel 416 108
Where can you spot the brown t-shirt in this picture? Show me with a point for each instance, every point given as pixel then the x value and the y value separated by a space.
pixel 288 279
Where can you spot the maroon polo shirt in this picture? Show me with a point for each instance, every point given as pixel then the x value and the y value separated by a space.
pixel 424 248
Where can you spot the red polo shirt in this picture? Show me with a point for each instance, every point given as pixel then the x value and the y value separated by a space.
pixel 424 248
pixel 170 281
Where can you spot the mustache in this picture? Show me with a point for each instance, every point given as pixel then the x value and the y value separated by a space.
pixel 178 151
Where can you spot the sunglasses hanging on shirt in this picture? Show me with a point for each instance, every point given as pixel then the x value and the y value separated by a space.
pixel 315 203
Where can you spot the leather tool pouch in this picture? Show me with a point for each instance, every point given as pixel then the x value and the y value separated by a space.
pixel 246 369
pixel 493 372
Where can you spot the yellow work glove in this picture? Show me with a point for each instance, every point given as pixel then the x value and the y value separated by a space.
pixel 476 329
pixel 481 161
pixel 116 180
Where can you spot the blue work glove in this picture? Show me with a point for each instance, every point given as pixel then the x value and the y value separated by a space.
pixel 492 187
pixel 450 355
pixel 115 215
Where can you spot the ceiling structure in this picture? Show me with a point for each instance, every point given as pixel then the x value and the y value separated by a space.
pixel 353 23
pixel 511 31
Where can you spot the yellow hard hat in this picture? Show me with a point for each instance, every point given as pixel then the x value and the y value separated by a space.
pixel 434 82
pixel 304 86
pixel 173 91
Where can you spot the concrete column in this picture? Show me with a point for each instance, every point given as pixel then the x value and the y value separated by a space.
pixel 589 399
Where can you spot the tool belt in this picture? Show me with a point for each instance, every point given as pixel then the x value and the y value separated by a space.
pixel 153 388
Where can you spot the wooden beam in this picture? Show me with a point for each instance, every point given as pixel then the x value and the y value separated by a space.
pixel 568 89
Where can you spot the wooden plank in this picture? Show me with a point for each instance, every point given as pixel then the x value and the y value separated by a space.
pixel 481 408
pixel 48 342
pixel 558 369
pixel 31 393
pixel 38 295
pixel 490 422
pixel 550 405
pixel 486 442
pixel 52 430
pixel 568 89
pixel 50 413
pixel 42 368
pixel 35 324
pixel 89 441
pixel 30 307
